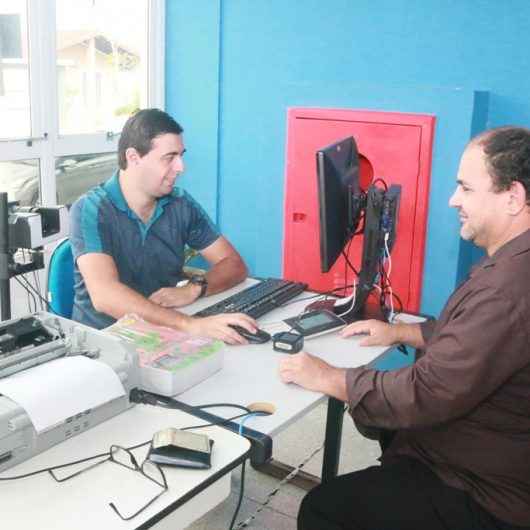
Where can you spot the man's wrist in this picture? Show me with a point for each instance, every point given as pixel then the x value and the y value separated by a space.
pixel 201 282
pixel 400 333
pixel 335 383
pixel 195 291
pixel 184 322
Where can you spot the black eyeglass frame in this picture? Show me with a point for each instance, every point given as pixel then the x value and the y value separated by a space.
pixel 134 466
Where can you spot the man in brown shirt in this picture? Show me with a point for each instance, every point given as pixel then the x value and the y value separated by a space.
pixel 460 458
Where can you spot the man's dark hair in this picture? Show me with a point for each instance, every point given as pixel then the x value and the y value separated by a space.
pixel 507 151
pixel 141 129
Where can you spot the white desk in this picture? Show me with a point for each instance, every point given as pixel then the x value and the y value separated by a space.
pixel 250 372
pixel 82 502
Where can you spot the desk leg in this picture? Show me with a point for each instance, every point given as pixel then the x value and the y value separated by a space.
pixel 330 463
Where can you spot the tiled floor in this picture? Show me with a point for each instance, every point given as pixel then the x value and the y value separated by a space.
pixel 291 447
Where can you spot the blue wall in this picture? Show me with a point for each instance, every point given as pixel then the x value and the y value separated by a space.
pixel 235 66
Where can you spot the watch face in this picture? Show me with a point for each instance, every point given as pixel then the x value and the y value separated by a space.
pixel 198 280
pixel 202 281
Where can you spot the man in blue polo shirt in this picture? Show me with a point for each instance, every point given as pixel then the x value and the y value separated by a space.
pixel 128 237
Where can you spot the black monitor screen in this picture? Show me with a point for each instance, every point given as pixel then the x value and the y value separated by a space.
pixel 338 183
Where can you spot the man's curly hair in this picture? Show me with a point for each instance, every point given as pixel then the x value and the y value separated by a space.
pixel 507 151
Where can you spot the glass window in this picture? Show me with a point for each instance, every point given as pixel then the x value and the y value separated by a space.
pixel 76 174
pixel 102 51
pixel 21 180
pixel 14 70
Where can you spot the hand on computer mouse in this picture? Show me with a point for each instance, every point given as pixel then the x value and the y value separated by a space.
pixel 259 337
pixel 220 327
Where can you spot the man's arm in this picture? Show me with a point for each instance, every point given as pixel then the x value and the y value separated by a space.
pixel 383 334
pixel 227 270
pixel 112 297
pixel 314 374
pixel 460 368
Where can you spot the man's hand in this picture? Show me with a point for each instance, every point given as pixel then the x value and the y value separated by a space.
pixel 218 327
pixel 379 333
pixel 176 296
pixel 383 334
pixel 315 374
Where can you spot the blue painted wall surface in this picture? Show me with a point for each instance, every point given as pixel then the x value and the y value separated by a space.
pixel 192 92
pixel 403 55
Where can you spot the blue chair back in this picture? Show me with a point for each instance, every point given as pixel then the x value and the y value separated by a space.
pixel 61 279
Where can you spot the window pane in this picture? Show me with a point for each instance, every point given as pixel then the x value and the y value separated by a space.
pixel 101 63
pixel 14 70
pixel 21 180
pixel 76 174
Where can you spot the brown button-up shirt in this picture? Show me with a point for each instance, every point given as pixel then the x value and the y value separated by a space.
pixel 464 407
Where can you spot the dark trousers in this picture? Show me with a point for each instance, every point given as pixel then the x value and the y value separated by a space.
pixel 402 494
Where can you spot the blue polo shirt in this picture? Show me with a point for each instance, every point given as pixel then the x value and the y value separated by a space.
pixel 149 255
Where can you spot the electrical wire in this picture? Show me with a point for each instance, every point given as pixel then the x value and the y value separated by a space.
pixel 350 264
pixel 247 417
pixel 380 181
pixel 230 405
pixel 317 295
pixel 271 494
pixel 22 253
pixel 47 304
pixel 130 448
pixel 352 305
pixel 28 293
pixel 240 499
pixel 346 266
pixel 388 259
pixel 37 284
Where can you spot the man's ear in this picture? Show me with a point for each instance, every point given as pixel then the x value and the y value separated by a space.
pixel 517 198
pixel 132 156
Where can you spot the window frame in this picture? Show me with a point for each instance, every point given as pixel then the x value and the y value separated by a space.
pixel 45 143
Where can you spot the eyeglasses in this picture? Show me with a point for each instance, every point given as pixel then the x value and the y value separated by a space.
pixel 124 457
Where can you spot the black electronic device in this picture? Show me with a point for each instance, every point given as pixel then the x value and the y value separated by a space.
pixel 341 206
pixel 260 337
pixel 261 444
pixel 315 323
pixel 379 237
pixel 340 198
pixel 287 342
pixel 256 300
pixel 22 332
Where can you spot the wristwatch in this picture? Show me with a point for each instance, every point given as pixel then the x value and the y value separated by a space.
pixel 197 279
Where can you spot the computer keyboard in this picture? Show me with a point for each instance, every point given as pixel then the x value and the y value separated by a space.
pixel 256 300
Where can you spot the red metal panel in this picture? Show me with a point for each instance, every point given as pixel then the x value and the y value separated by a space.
pixel 398 149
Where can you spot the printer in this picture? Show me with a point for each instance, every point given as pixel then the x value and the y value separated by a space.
pixel 37 339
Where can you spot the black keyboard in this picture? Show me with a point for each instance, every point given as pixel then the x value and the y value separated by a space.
pixel 256 300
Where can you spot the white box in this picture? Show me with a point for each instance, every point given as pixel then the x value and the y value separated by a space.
pixel 173 382
pixel 170 361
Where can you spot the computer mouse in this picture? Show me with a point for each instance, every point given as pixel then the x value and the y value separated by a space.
pixel 260 337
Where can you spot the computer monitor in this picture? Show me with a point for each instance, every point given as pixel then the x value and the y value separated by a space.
pixel 342 203
pixel 339 198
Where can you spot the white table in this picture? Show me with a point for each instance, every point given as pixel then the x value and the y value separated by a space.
pixel 250 374
pixel 82 502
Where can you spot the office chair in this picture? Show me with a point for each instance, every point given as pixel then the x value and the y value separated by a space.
pixel 61 279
